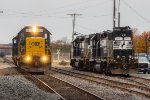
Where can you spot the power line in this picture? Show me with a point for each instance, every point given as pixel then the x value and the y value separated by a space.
pixel 35 14
pixel 89 29
pixel 96 16
pixel 64 6
pixel 83 8
pixel 136 12
pixel 57 16
pixel 47 10
pixel 54 11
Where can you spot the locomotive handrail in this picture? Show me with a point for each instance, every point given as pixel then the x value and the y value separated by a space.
pixel 97 47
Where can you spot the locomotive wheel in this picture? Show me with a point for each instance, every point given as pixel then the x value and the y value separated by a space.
pixel 46 72
pixel 75 67
pixel 17 63
pixel 108 72
pixel 50 66
pixel 101 68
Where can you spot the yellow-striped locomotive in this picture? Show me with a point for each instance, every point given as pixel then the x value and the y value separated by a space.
pixel 31 49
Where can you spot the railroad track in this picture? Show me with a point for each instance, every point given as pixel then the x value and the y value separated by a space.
pixel 141 80
pixel 65 90
pixel 131 79
pixel 41 84
pixel 137 89
pixel 68 90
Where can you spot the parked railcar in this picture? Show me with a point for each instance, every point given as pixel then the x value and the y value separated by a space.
pixel 31 49
pixel 109 52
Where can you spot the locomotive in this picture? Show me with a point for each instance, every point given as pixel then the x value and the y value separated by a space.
pixel 31 49
pixel 109 52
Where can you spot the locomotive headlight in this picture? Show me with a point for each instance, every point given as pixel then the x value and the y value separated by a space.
pixel 28 59
pixel 34 29
pixel 44 59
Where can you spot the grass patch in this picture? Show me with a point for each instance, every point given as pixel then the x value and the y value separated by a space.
pixel 64 63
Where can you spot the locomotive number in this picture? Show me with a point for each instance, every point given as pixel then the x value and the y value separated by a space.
pixel 35 43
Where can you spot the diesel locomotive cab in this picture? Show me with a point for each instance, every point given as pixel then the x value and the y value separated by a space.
pixel 122 44
pixel 123 60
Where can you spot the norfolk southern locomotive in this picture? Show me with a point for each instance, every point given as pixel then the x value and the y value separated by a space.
pixel 107 52
pixel 31 49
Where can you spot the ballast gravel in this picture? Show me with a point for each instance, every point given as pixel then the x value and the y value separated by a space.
pixel 19 88
pixel 146 76
pixel 102 91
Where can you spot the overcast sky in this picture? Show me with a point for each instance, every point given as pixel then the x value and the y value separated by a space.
pixel 52 14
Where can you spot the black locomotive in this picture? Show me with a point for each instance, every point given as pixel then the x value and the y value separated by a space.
pixel 109 52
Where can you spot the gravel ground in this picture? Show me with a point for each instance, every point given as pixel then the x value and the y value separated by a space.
pixel 17 88
pixel 14 86
pixel 119 79
pixel 146 76
pixel 105 92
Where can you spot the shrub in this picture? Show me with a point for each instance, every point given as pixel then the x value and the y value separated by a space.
pixel 64 63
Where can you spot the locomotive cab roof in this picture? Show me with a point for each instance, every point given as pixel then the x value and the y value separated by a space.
pixel 122 31
pixel 122 28
pixel 27 29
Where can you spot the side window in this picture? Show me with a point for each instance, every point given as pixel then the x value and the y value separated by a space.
pixel 15 41
pixel 46 36
pixel 74 44
pixel 93 43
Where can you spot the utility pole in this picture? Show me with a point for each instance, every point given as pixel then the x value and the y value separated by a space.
pixel 119 14
pixel 114 14
pixel 146 44
pixel 1 11
pixel 73 23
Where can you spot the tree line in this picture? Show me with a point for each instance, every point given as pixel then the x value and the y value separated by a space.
pixel 62 44
pixel 141 42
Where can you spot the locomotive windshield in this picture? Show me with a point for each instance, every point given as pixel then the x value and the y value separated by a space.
pixel 122 38
pixel 122 32
pixel 30 34
pixel 34 32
